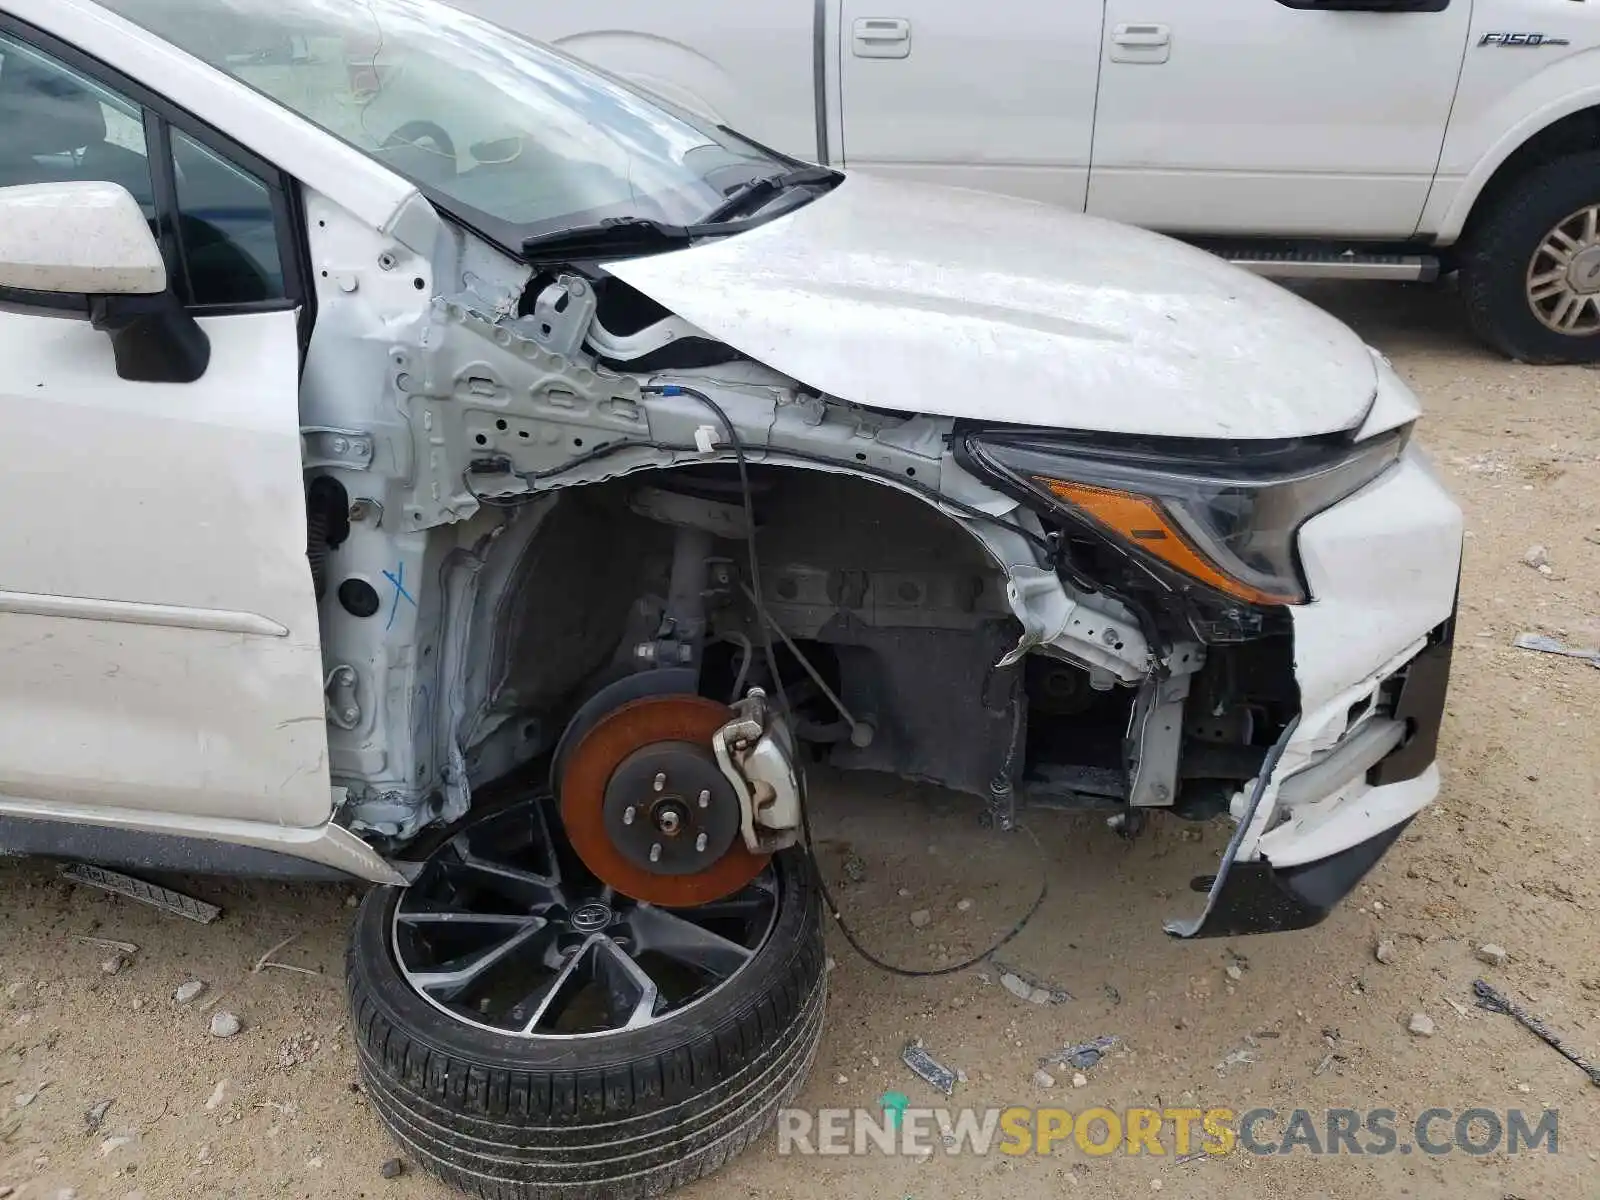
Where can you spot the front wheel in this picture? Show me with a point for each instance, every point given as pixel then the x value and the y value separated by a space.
pixel 1530 271
pixel 525 1032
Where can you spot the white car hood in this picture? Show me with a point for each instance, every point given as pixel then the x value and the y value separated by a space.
pixel 963 304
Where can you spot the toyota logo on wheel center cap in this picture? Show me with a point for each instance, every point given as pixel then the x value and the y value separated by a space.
pixel 591 916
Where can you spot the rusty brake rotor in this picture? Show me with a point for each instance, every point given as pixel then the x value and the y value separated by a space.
pixel 647 808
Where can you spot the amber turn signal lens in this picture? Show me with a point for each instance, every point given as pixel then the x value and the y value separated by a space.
pixel 1141 521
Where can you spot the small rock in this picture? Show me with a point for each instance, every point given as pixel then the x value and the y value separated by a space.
pixel 112 1144
pixel 1537 556
pixel 1494 955
pixel 113 965
pixel 26 1098
pixel 1234 972
pixel 203 1155
pixel 1188 834
pixel 1384 951
pixel 392 1169
pixel 841 1077
pixel 921 918
pixel 1043 1078
pixel 855 870
pixel 315 1162
pixel 66 1194
pixel 903 893
pixel 1023 990
pixel 224 1024
pixel 829 963
pixel 1079 1079
pixel 96 1114
pixel 1155 1185
pixel 6 1191
pixel 1421 1024
pixel 1524 1088
pixel 1377 906
pixel 352 901
pixel 188 992
pixel 218 1094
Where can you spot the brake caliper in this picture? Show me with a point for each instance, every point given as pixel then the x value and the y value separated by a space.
pixel 756 752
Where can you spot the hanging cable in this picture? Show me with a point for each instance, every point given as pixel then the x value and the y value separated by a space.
pixel 770 653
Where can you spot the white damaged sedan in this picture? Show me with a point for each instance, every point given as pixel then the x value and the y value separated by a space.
pixel 429 461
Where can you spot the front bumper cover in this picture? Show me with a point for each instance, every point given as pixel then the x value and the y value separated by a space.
pixel 1256 897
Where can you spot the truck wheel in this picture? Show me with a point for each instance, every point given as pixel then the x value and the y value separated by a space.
pixel 522 1031
pixel 1530 273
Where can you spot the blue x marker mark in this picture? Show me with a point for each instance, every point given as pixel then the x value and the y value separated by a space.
pixel 398 578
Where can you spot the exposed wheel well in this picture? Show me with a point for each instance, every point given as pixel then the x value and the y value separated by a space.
pixel 1572 134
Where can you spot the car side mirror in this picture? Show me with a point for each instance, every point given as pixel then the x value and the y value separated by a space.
pixel 91 240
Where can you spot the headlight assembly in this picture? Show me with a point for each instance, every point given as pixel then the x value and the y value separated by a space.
pixel 1224 514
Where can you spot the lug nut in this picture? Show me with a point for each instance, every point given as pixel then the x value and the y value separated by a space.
pixel 628 815
pixel 705 799
pixel 700 844
pixel 655 852
pixel 660 781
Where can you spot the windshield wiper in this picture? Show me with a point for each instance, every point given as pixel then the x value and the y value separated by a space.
pixel 614 237
pixel 767 186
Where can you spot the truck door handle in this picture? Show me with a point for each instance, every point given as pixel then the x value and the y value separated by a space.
pixel 1141 35
pixel 881 37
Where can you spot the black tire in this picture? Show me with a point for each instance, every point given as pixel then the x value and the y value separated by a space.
pixel 626 1115
pixel 1500 246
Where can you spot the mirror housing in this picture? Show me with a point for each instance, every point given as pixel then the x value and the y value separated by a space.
pixel 77 239
pixel 92 240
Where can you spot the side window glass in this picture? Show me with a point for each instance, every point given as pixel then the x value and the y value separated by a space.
pixel 226 226
pixel 57 126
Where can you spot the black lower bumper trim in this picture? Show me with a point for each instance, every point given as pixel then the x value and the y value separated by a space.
pixel 1257 897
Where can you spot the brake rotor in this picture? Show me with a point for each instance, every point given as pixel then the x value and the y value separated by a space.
pixel 648 810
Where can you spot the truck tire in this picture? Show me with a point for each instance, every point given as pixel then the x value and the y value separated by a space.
pixel 1530 272
pixel 631 1112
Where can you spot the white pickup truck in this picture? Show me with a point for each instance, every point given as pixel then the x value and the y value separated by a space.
pixel 1389 139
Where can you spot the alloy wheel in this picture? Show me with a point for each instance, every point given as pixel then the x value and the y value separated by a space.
pixel 506 930
pixel 1563 280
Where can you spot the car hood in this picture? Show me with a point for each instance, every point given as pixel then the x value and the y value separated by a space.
pixel 964 304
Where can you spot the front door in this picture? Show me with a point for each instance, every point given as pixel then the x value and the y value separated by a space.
pixel 158 631
pixel 1281 117
pixel 997 96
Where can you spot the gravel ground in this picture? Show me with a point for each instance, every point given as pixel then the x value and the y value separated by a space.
pixel 1307 1020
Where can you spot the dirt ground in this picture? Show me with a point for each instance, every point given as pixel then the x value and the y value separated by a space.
pixel 1506 856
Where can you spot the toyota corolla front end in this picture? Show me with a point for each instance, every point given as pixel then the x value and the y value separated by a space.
pixel 572 477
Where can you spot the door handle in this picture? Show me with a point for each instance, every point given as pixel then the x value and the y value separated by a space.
pixel 881 37
pixel 883 29
pixel 1140 43
pixel 1141 35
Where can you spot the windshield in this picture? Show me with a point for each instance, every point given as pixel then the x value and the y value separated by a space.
pixel 510 136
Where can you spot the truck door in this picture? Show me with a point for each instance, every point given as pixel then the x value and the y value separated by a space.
pixel 998 96
pixel 753 66
pixel 1278 117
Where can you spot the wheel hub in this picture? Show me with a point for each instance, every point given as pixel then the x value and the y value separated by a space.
pixel 647 808
pixel 1583 273
pixel 590 917
pixel 670 810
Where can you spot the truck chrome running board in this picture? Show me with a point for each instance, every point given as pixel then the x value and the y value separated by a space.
pixel 1302 264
